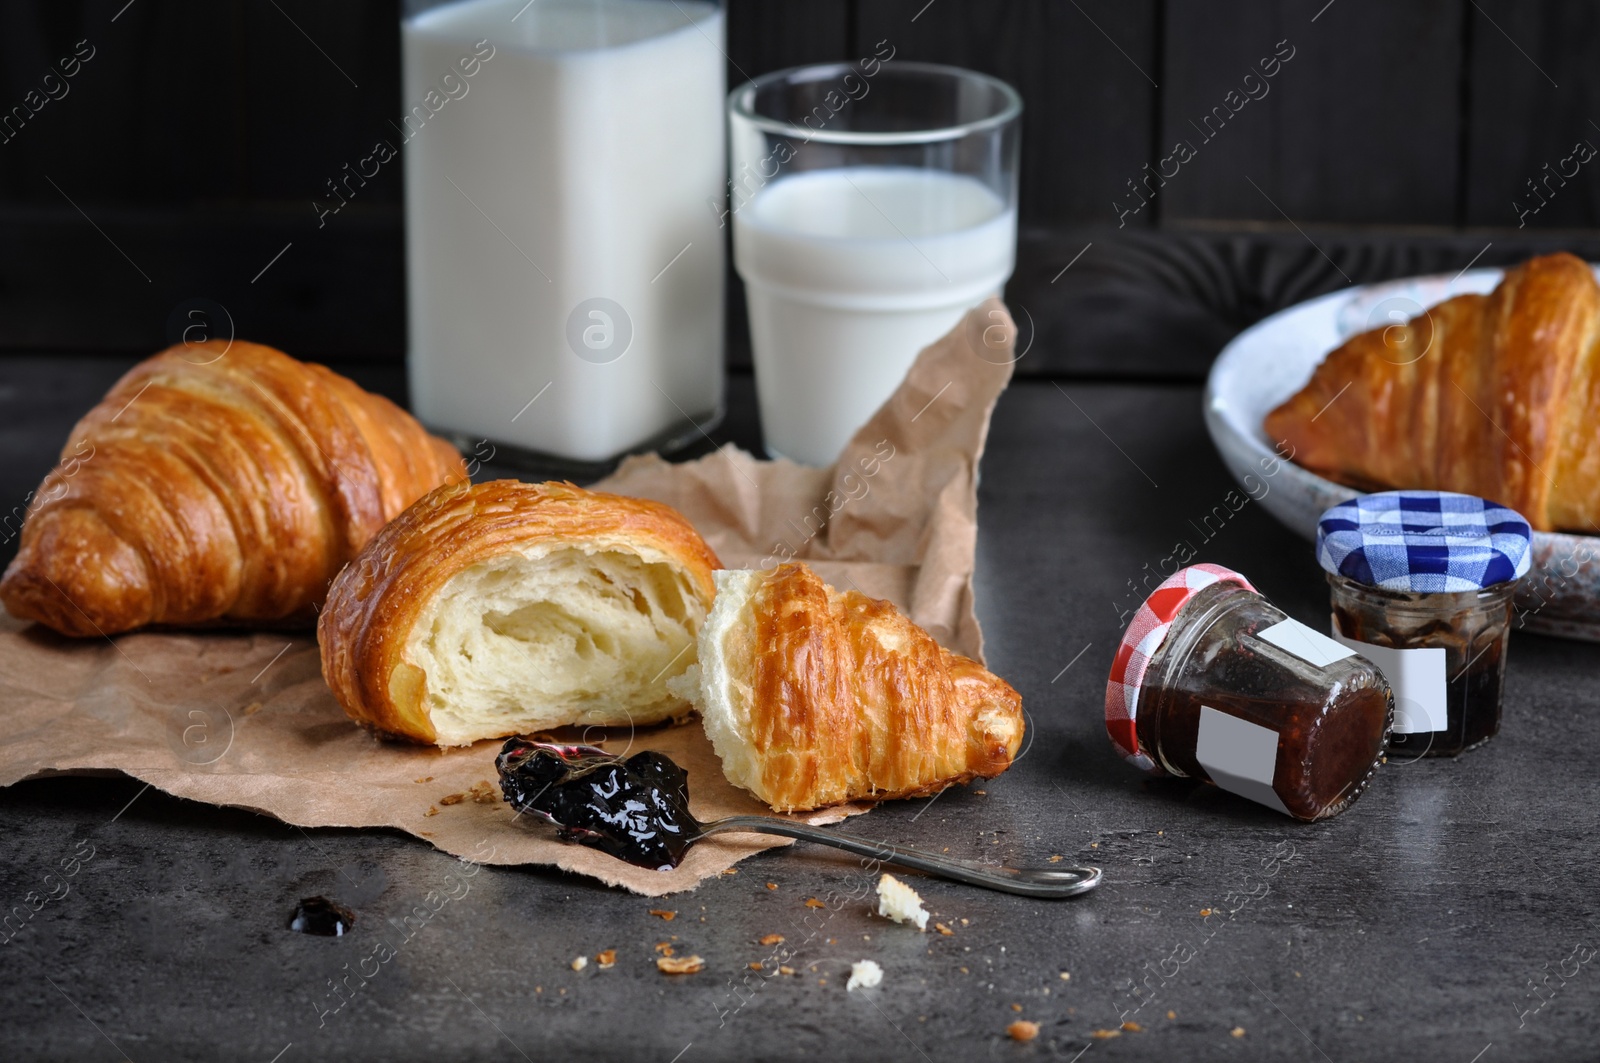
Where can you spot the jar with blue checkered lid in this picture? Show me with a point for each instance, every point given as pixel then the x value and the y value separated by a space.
pixel 1422 584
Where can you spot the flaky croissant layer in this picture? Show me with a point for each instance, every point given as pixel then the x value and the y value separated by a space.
pixel 216 483
pixel 506 607
pixel 813 697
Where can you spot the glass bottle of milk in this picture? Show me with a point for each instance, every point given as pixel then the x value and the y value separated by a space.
pixel 564 275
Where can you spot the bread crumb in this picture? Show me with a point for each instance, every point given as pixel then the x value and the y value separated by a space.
pixel 772 885
pixel 1055 859
pixel 866 974
pixel 812 902
pixel 1016 1007
pixel 1238 1031
pixel 1022 1030
pixel 425 778
pixel 1066 977
pixel 1172 1015
pixel 771 939
pixel 981 792
pixel 1094 845
pixel 900 902
pixel 731 871
pixel 1104 1035
pixel 452 799
pixel 664 914
pixel 252 708
pixel 965 971
pixel 580 962
pixel 538 989
pixel 484 792
pixel 1131 1026
pixel 754 965
pixel 946 931
pixel 607 959
pixel 664 948
pixel 963 922
pixel 680 965
pixel 786 970
pixel 433 810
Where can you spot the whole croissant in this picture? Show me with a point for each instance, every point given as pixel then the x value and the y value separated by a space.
pixel 1496 396
pixel 216 483
pixel 812 697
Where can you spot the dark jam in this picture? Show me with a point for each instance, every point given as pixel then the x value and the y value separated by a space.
pixel 1475 665
pixel 318 915
pixel 1331 721
pixel 636 809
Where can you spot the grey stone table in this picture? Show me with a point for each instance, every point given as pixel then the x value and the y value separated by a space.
pixel 1450 915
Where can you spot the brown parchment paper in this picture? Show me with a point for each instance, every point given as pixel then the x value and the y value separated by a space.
pixel 245 720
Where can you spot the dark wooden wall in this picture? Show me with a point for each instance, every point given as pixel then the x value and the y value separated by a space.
pixel 1396 138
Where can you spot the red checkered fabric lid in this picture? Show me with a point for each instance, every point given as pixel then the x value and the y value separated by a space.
pixel 1146 631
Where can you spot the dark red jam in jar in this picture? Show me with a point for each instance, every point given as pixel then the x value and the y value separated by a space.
pixel 1422 583
pixel 1213 682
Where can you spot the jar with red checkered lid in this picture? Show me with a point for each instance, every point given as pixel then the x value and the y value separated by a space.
pixel 1213 682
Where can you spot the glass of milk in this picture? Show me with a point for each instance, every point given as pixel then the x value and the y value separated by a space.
pixel 872 204
pixel 564 276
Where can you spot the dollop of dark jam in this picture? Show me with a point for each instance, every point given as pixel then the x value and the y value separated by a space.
pixel 636 809
pixel 318 915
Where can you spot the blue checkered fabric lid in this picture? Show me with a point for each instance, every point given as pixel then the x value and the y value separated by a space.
pixel 1424 541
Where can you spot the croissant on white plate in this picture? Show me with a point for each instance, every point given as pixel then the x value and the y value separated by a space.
pixel 1492 395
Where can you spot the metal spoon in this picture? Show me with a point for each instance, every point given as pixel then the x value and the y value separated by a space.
pixel 638 810
pixel 1027 881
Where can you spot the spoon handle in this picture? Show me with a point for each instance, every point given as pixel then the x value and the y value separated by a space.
pixel 1029 882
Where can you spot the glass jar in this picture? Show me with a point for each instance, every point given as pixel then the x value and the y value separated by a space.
pixel 1214 682
pixel 1422 585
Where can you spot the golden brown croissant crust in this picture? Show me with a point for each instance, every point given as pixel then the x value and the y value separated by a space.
pixel 506 607
pixel 833 697
pixel 216 483
pixel 1494 395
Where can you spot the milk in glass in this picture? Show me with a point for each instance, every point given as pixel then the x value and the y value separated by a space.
pixel 848 273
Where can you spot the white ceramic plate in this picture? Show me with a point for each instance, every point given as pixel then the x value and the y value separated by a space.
pixel 1274 358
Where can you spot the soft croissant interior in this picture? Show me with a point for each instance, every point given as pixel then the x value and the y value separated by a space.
pixel 527 641
pixel 723 700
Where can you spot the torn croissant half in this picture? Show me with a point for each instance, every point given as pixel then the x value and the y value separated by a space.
pixel 812 697
pixel 507 607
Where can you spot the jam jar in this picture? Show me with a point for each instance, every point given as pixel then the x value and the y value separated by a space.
pixel 1213 682
pixel 1422 584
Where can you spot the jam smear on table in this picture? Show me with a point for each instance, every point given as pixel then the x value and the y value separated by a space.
pixel 635 810
pixel 319 915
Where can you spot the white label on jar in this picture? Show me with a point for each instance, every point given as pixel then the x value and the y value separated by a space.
pixel 1240 756
pixel 1417 678
pixel 1308 644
